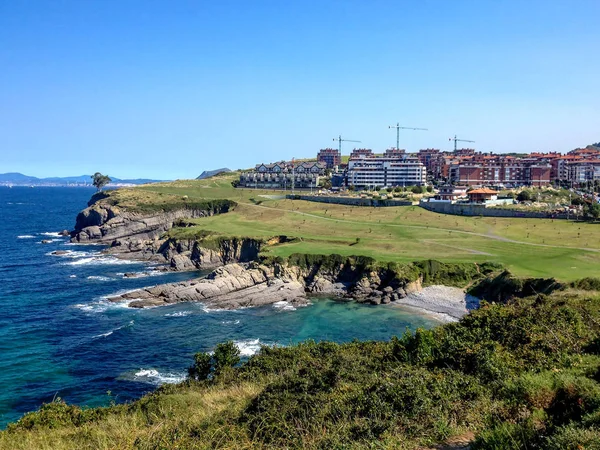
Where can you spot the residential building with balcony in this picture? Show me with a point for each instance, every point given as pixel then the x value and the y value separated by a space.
pixel 384 171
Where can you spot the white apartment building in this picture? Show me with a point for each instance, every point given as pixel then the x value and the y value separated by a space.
pixel 385 171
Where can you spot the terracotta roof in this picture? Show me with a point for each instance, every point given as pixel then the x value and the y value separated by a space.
pixel 482 191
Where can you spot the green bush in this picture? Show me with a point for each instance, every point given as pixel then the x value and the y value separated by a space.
pixel 226 355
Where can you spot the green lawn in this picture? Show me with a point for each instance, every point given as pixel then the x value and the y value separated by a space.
pixel 529 247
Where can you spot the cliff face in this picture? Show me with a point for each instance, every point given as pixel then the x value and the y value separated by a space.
pixel 193 254
pixel 139 234
pixel 103 222
pixel 270 281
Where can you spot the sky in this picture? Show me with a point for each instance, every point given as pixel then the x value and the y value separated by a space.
pixel 167 89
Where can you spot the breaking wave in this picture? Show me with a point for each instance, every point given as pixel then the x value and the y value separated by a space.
pixel 284 306
pixel 108 333
pixel 153 376
pixel 179 314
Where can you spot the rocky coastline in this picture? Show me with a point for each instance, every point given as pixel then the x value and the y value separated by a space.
pixel 242 285
pixel 242 278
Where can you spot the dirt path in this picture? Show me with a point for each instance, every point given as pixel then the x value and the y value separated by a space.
pixel 424 227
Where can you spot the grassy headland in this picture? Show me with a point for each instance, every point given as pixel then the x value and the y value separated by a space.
pixel 528 247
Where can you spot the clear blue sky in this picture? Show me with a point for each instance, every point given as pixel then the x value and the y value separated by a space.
pixel 166 89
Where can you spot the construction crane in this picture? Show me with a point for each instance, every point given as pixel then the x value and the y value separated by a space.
pixel 398 128
pixel 340 140
pixel 455 139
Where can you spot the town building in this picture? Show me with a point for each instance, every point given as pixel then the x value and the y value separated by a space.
pixel 397 152
pixel 482 195
pixel 284 175
pixel 361 152
pixel 451 193
pixel 330 156
pixel 385 171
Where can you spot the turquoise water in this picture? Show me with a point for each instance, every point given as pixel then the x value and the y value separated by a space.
pixel 60 338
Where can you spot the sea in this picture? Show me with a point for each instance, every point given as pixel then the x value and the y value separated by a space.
pixel 61 338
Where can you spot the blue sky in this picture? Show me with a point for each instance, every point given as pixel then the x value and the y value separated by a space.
pixel 168 89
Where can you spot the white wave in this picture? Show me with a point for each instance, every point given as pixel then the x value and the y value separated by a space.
pixel 153 376
pixel 230 322
pixel 72 254
pixel 25 236
pixel 150 273
pixel 100 260
pixel 101 306
pixel 284 306
pixel 50 233
pixel 99 278
pixel 179 314
pixel 208 310
pixel 248 347
pixel 108 333
pixel 72 276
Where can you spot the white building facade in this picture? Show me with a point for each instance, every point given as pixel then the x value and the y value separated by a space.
pixel 385 171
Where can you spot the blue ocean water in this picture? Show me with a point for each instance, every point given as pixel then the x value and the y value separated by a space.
pixel 60 338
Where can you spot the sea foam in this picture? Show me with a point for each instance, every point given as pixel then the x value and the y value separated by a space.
pixel 153 376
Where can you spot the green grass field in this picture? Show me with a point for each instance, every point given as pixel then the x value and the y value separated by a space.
pixel 528 247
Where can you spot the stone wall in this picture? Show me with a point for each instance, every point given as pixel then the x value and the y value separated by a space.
pixel 470 209
pixel 353 201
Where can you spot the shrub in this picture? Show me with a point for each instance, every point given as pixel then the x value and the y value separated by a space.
pixel 524 196
pixel 226 355
pixel 201 368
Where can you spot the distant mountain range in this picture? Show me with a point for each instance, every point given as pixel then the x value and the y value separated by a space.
pixel 212 173
pixel 18 179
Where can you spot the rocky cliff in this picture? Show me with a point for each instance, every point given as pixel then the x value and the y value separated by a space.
pixel 107 223
pixel 189 254
pixel 275 280
pixel 140 234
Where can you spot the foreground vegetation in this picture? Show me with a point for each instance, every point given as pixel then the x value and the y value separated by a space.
pixel 528 247
pixel 525 375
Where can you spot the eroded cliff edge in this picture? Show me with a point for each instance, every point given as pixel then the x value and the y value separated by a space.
pixel 140 233
pixel 292 280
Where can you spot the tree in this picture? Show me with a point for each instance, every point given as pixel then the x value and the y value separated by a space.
pixel 99 180
pixel 416 190
pixel 226 355
pixel 325 183
pixel 201 368
pixel 430 189
pixel 351 188
pixel 577 201
pixel 524 196
pixel 593 211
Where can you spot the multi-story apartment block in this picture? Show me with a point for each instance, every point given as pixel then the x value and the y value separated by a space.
pixel 395 152
pixel 501 170
pixel 384 171
pixel 428 157
pixel 361 152
pixel 282 175
pixel 330 156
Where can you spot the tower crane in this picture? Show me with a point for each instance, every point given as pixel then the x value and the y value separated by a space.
pixel 398 128
pixel 455 139
pixel 340 140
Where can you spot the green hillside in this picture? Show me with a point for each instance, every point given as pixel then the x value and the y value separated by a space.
pixel 528 247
